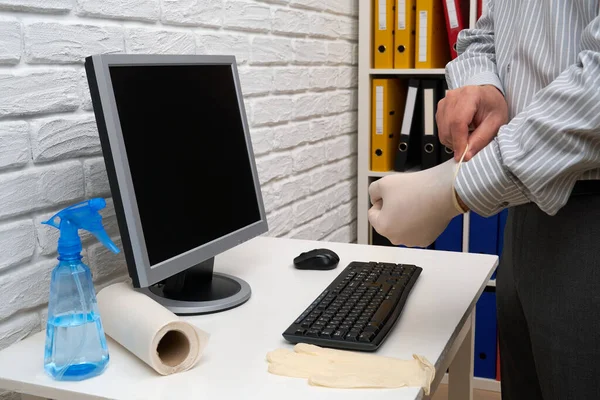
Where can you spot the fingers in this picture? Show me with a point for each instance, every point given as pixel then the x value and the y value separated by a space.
pixel 441 122
pixel 481 137
pixel 373 214
pixel 459 127
pixel 375 192
pixel 454 115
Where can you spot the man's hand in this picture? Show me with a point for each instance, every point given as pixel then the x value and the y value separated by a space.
pixel 483 107
pixel 413 209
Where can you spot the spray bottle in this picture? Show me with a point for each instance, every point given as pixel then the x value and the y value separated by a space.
pixel 75 342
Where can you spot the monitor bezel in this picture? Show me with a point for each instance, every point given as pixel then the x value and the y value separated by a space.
pixel 117 167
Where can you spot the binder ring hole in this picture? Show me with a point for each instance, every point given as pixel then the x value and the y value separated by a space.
pixel 403 146
pixel 429 148
pixel 482 356
pixel 401 49
pixel 448 150
pixel 381 49
pixel 378 152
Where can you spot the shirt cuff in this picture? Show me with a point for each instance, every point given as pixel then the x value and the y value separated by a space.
pixel 481 78
pixel 486 186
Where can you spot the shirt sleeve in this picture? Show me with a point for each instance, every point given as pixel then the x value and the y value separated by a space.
pixel 476 63
pixel 540 154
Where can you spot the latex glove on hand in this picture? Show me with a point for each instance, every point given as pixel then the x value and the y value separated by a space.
pixel 413 209
pixel 482 106
pixel 345 369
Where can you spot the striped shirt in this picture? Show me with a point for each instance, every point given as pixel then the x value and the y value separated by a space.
pixel 544 56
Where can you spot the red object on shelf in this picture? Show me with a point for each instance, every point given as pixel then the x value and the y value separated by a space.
pixel 479 8
pixel 456 13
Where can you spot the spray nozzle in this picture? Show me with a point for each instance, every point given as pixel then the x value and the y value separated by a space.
pixel 82 215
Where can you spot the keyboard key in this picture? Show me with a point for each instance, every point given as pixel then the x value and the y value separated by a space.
pixel 299 332
pixel 352 336
pixel 313 332
pixel 338 334
pixel 383 312
pixel 300 318
pixel 366 337
pixel 327 333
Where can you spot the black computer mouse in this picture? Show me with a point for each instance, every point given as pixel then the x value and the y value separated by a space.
pixel 317 259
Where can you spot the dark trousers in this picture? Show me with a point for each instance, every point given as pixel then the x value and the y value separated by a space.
pixel 548 302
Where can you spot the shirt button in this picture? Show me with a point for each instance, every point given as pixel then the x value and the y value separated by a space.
pixel 504 204
pixel 508 68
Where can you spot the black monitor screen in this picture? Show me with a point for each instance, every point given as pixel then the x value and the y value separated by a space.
pixel 187 154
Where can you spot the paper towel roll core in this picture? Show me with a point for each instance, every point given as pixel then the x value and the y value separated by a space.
pixel 173 348
pixel 151 332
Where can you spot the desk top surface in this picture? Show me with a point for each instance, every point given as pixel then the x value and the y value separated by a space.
pixel 234 366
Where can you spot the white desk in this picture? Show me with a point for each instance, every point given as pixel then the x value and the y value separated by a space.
pixel 436 323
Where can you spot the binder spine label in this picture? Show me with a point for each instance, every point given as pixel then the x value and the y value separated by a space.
pixel 379 110
pixel 401 14
pixel 422 36
pixel 382 15
pixel 452 15
pixel 429 113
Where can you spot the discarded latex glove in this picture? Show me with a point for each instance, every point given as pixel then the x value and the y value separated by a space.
pixel 350 370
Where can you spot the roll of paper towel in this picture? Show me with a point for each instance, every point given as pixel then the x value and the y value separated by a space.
pixel 154 334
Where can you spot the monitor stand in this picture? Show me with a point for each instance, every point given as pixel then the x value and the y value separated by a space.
pixel 199 290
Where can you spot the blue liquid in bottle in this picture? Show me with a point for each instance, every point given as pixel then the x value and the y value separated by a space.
pixel 76 347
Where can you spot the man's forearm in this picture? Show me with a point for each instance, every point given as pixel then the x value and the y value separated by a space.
pixel 540 154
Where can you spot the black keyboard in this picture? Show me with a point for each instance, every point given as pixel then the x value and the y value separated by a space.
pixel 358 309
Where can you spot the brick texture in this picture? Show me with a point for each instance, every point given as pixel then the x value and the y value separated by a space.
pixel 193 12
pixel 140 10
pixel 297 67
pixel 148 41
pixel 38 92
pixel 59 138
pixel 43 6
pixel 69 43
pixel 10 40
pixel 14 144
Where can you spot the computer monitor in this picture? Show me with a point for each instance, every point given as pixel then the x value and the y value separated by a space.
pixel 181 170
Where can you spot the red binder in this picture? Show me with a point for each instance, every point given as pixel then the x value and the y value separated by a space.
pixel 457 18
pixel 479 8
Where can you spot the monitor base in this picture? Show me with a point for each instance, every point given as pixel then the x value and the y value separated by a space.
pixel 199 290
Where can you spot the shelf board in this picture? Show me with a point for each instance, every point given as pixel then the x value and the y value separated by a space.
pixel 410 71
pixel 490 385
pixel 379 174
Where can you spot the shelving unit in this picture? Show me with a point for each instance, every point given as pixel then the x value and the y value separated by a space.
pixel 365 74
pixel 365 176
pixel 411 72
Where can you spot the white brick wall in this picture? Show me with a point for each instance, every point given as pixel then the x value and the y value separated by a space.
pixel 297 62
